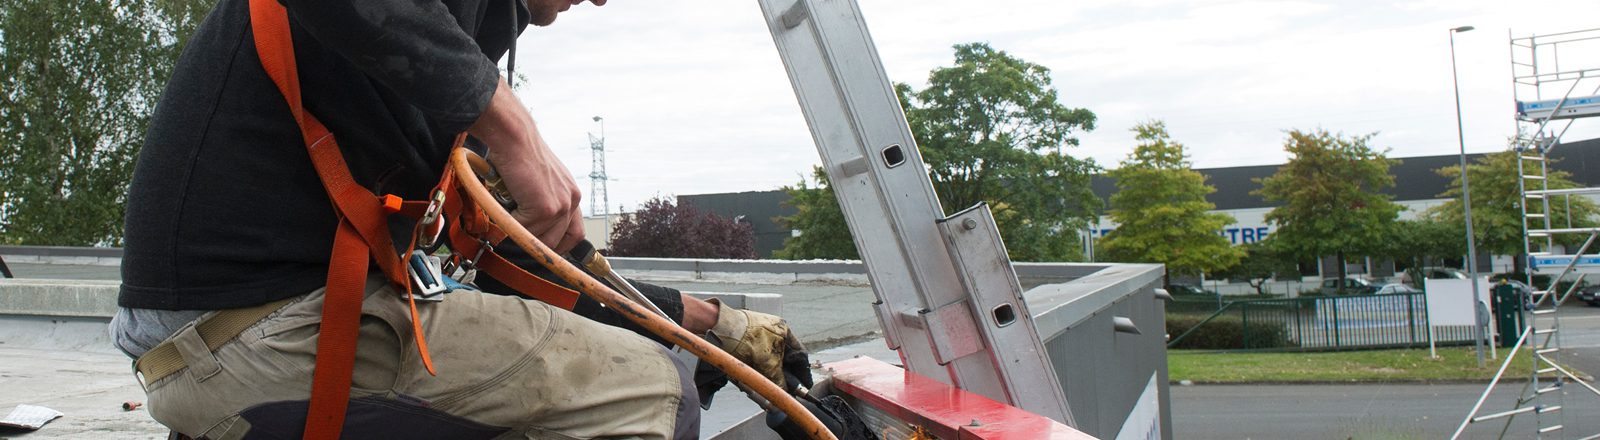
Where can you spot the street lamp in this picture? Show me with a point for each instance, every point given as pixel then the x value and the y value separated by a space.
pixel 1466 203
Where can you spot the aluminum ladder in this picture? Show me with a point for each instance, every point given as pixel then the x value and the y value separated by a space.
pixel 948 298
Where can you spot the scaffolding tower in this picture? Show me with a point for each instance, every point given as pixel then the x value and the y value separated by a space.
pixel 1550 98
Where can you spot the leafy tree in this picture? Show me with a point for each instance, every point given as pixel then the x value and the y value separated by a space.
pixel 1262 261
pixel 1423 240
pixel 78 81
pixel 1497 210
pixel 824 234
pixel 991 129
pixel 1330 195
pixel 1161 210
pixel 661 228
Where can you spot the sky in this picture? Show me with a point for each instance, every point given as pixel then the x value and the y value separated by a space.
pixel 696 100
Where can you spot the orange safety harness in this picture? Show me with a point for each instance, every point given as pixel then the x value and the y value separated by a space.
pixel 363 237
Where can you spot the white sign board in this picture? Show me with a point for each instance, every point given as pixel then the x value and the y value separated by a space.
pixel 1450 301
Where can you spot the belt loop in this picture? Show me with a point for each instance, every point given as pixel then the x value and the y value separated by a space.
pixel 202 364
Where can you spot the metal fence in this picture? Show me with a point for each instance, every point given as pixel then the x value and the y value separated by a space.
pixel 1320 323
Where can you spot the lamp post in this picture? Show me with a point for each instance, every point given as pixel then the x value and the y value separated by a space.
pixel 1466 203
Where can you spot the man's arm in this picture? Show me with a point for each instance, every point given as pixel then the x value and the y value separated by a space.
pixel 547 197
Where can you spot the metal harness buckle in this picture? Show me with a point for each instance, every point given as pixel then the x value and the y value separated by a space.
pixel 427 277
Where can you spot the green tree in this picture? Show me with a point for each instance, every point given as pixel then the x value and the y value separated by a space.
pixel 79 80
pixel 823 233
pixel 1161 210
pixel 1330 196
pixel 1497 210
pixel 1262 261
pixel 991 129
pixel 1422 241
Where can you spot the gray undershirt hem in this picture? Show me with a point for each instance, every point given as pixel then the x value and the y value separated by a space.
pixel 136 331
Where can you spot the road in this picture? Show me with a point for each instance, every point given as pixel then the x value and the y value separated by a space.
pixel 1387 411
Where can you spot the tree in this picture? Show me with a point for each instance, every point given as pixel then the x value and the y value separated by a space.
pixel 1330 195
pixel 78 82
pixel 1497 210
pixel 1161 210
pixel 991 129
pixel 661 228
pixel 1423 240
pixel 1262 261
pixel 824 234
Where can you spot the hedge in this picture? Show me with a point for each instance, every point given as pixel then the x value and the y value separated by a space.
pixel 1224 333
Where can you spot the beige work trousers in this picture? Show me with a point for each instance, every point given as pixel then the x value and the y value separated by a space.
pixel 535 370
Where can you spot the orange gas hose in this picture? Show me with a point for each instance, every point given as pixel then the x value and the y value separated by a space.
pixel 462 161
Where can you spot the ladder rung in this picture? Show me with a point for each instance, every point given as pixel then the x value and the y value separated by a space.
pixel 1533 196
pixel 1540 158
pixel 1535 215
pixel 1592 437
pixel 1503 414
pixel 1546 370
pixel 1544 312
pixel 1550 429
pixel 1547 350
pixel 1532 177
pixel 1540 254
pixel 1556 387
pixel 1548 409
pixel 1544 331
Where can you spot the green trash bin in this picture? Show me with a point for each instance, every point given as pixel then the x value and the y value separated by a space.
pixel 1508 304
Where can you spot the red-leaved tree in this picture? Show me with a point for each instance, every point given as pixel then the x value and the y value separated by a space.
pixel 661 228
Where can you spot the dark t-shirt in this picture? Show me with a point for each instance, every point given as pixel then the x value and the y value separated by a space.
pixel 225 209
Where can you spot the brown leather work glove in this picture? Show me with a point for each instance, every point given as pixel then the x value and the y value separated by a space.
pixel 763 342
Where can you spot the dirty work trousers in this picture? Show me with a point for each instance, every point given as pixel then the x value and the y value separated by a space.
pixel 507 368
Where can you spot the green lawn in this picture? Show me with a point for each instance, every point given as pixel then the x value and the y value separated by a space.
pixel 1454 364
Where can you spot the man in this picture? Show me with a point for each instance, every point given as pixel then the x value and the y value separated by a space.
pixel 226 213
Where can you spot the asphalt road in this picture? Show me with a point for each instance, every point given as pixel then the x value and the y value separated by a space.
pixel 1390 411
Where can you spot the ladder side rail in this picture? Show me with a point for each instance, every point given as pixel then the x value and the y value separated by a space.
pixel 875 169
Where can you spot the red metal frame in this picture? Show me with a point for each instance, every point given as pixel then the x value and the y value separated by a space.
pixel 942 410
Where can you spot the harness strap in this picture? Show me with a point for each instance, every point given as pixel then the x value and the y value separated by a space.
pixel 363 237
pixel 363 233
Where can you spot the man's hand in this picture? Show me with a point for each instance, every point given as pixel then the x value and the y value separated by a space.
pixel 548 200
pixel 765 343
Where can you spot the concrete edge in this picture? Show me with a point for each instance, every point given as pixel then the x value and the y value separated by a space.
pixel 86 299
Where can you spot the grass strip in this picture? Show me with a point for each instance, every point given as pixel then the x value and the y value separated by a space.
pixel 1408 365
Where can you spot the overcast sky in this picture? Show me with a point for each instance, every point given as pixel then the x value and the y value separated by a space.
pixel 695 98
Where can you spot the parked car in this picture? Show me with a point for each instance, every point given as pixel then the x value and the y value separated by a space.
pixel 1184 289
pixel 1430 273
pixel 1397 288
pixel 1590 294
pixel 1352 285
